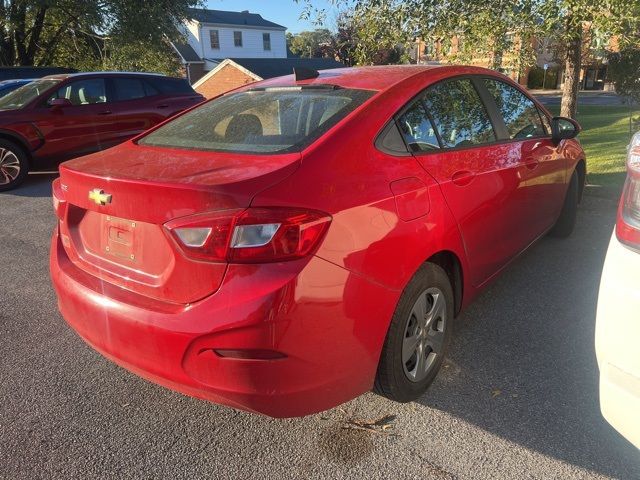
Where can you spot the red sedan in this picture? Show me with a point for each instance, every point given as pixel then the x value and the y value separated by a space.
pixel 59 117
pixel 289 246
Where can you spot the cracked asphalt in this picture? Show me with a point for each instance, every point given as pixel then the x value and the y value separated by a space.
pixel 517 397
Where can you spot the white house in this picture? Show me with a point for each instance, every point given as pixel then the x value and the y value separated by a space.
pixel 225 50
pixel 214 35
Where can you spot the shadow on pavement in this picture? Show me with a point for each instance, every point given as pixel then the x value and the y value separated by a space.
pixel 37 184
pixel 522 365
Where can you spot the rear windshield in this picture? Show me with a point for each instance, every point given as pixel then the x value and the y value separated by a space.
pixel 260 121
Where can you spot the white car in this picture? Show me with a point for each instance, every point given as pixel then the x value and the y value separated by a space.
pixel 618 316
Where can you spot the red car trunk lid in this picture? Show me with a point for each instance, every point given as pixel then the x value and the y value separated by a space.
pixel 118 201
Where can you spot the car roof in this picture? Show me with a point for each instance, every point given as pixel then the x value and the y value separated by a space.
pixel 374 77
pixel 64 76
pixel 17 80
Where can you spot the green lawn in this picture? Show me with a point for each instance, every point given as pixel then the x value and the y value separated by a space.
pixel 605 137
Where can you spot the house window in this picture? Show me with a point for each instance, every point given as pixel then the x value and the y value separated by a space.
pixel 237 39
pixel 266 41
pixel 214 39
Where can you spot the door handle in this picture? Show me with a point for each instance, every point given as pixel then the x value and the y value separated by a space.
pixel 531 163
pixel 105 112
pixel 463 177
pixel 164 105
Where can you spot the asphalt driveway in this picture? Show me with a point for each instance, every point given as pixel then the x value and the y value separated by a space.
pixel 516 399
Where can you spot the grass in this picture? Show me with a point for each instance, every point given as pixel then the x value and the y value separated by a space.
pixel 605 137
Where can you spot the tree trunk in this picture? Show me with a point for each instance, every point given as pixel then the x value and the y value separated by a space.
pixel 573 65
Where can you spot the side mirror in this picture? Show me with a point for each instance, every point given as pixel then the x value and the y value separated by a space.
pixel 58 103
pixel 563 128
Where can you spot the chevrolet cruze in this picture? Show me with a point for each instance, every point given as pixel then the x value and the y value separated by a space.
pixel 293 244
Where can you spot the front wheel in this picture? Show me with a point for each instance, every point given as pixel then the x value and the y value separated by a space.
pixel 418 336
pixel 14 165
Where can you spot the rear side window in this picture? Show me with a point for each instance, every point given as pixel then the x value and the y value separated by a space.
pixel 172 85
pixel 261 121
pixel 417 129
pixel 128 88
pixel 458 114
pixel 520 114
pixel 150 90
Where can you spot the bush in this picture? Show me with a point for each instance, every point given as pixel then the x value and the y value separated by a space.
pixel 624 71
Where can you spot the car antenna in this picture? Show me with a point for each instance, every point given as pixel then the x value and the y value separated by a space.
pixel 302 73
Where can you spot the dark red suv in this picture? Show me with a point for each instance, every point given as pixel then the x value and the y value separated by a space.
pixel 64 116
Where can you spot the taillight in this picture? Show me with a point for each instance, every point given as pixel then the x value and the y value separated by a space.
pixel 255 235
pixel 59 204
pixel 628 222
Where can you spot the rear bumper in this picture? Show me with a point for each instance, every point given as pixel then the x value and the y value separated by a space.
pixel 617 333
pixel 329 324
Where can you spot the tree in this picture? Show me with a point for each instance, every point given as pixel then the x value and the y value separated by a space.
pixel 571 22
pixel 381 36
pixel 358 39
pixel 142 56
pixel 624 71
pixel 345 40
pixel 314 44
pixel 80 33
pixel 490 26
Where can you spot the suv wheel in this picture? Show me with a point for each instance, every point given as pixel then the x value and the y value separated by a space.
pixel 14 165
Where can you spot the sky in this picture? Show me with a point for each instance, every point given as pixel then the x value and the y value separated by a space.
pixel 283 12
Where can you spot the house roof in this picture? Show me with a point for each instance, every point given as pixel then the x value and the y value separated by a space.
pixel 277 67
pixel 221 17
pixel 265 68
pixel 186 51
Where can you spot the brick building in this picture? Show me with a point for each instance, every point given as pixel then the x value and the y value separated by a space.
pixel 594 62
pixel 235 72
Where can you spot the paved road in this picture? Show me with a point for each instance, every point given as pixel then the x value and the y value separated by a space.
pixel 598 98
pixel 517 398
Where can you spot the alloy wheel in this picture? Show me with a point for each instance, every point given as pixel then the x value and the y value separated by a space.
pixel 9 166
pixel 424 334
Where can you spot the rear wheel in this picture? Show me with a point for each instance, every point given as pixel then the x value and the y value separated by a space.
pixel 14 165
pixel 418 337
pixel 567 220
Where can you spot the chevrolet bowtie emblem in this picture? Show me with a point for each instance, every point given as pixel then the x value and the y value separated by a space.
pixel 99 197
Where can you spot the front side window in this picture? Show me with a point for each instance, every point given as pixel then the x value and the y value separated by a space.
pixel 26 94
pixel 128 88
pixel 83 92
pixel 266 41
pixel 520 114
pixel 545 122
pixel 417 129
pixel 261 121
pixel 214 39
pixel 237 39
pixel 458 114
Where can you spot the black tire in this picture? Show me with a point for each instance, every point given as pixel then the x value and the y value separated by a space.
pixel 567 220
pixel 394 378
pixel 14 165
